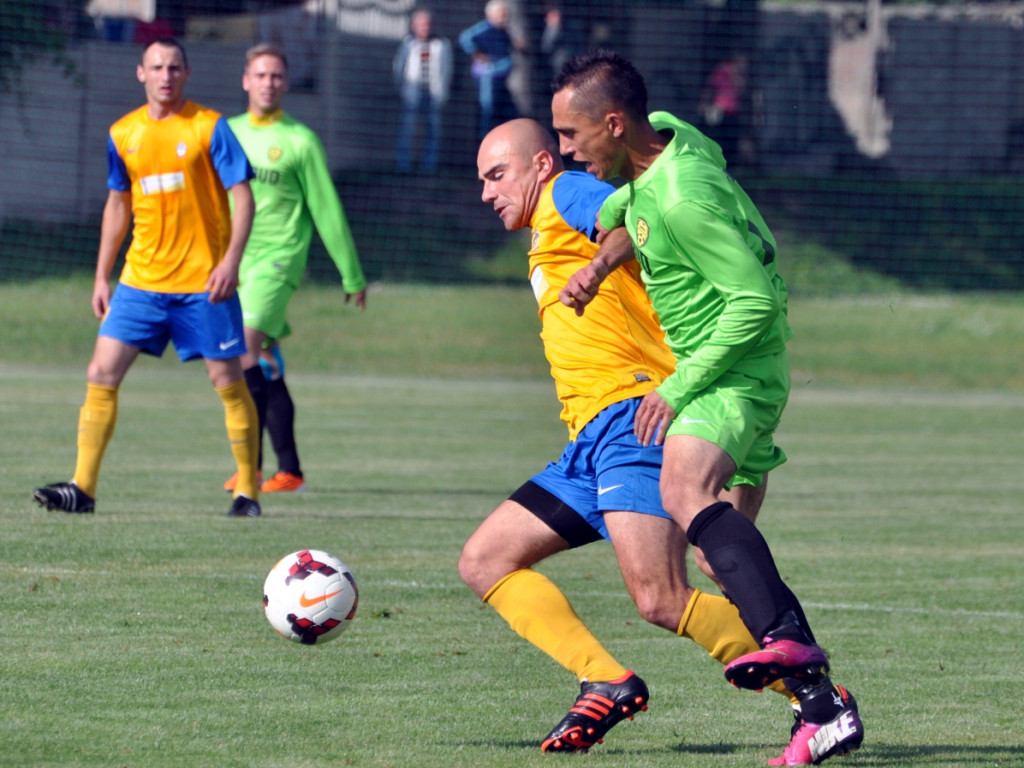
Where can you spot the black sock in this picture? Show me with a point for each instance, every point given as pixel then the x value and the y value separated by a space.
pixel 819 700
pixel 740 558
pixel 281 426
pixel 257 383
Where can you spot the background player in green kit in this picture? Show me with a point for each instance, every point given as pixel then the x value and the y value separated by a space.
pixel 708 262
pixel 293 192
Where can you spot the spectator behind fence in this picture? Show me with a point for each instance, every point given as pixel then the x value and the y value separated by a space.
pixel 423 75
pixel 561 39
pixel 490 46
pixel 722 105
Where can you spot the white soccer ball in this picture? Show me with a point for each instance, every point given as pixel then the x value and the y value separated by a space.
pixel 310 596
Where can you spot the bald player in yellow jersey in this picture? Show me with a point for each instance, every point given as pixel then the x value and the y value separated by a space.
pixel 172 164
pixel 605 485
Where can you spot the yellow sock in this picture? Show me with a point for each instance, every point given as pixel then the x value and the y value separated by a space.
pixel 536 609
pixel 96 421
pixel 714 624
pixel 244 434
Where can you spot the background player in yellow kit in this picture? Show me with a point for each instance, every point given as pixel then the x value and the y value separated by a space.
pixel 172 164
pixel 605 483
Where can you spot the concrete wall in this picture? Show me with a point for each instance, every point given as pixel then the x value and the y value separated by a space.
pixel 952 88
pixel 949 93
pixel 955 91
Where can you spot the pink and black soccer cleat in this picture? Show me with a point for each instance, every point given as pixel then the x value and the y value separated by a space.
pixel 776 660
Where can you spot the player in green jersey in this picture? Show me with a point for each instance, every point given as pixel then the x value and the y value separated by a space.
pixel 708 262
pixel 293 192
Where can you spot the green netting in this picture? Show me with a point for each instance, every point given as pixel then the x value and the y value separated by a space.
pixel 887 135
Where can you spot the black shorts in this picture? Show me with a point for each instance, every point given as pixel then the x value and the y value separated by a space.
pixel 556 514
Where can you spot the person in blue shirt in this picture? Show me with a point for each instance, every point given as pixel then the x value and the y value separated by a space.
pixel 489 45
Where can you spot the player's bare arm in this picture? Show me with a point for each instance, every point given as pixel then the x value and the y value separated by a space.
pixel 223 281
pixel 117 216
pixel 616 249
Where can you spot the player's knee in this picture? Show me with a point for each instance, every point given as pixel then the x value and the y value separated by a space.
pixel 701 562
pixel 484 562
pixel 680 507
pixel 474 568
pixel 97 373
pixel 660 607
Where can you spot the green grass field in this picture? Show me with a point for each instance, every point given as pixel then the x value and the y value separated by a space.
pixel 135 637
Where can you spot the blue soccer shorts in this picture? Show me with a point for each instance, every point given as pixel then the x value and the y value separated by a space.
pixel 604 470
pixel 149 320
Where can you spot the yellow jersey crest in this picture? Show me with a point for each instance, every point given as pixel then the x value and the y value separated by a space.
pixel 643 231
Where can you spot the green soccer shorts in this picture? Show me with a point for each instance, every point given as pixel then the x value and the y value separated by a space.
pixel 739 412
pixel 264 306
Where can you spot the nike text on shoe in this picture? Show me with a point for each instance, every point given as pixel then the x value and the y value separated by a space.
pixel 243 506
pixel 598 707
pixel 283 481
pixel 66 497
pixel 814 743
pixel 776 660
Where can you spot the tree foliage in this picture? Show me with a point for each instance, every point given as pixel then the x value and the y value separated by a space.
pixel 25 35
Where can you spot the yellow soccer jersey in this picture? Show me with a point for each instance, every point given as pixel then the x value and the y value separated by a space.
pixel 616 350
pixel 177 170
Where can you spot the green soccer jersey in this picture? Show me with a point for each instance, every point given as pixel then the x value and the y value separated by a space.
pixel 708 260
pixel 293 192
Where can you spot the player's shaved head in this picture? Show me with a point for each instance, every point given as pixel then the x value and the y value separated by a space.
pixel 524 138
pixel 515 162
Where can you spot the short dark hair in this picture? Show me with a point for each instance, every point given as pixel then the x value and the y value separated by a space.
pixel 169 42
pixel 603 79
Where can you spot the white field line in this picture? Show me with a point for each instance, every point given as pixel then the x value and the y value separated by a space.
pixel 396 583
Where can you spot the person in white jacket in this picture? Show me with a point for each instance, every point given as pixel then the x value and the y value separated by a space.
pixel 423 74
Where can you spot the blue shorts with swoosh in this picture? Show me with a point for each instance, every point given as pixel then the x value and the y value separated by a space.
pixel 149 320
pixel 607 470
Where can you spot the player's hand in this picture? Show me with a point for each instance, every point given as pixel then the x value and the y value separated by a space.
pixel 101 297
pixel 583 287
pixel 222 283
pixel 359 297
pixel 600 233
pixel 653 418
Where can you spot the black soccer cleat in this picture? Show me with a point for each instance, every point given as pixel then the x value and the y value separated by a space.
pixel 598 707
pixel 243 506
pixel 67 497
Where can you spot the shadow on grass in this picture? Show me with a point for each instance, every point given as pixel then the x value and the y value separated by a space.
pixel 946 755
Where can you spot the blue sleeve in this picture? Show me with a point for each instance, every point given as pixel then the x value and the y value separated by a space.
pixel 578 198
pixel 467 38
pixel 228 156
pixel 501 67
pixel 117 174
